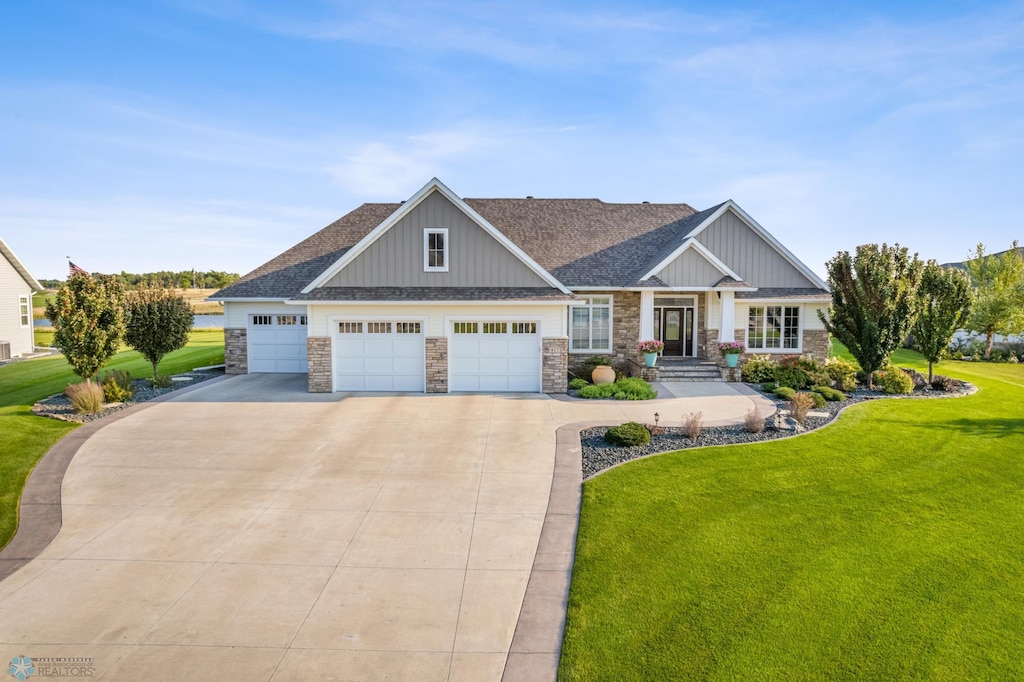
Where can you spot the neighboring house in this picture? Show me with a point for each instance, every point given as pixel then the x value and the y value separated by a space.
pixel 441 294
pixel 16 287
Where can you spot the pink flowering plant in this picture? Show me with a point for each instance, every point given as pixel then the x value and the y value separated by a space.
pixel 731 348
pixel 650 346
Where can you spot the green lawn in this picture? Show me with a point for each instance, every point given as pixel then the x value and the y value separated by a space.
pixel 887 546
pixel 24 438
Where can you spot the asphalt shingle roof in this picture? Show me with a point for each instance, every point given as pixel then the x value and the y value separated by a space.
pixel 582 242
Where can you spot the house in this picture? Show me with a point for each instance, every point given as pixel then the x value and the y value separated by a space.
pixel 17 284
pixel 439 293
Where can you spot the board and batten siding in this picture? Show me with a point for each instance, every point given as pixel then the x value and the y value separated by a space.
pixel 690 269
pixel 750 256
pixel 553 318
pixel 12 286
pixel 476 259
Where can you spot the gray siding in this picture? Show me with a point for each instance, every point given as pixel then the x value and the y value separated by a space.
pixel 690 270
pixel 750 256
pixel 11 287
pixel 476 258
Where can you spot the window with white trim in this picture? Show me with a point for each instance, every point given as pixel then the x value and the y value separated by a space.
pixel 407 327
pixel 287 320
pixel 435 249
pixel 378 327
pixel 495 327
pixel 590 325
pixel 524 327
pixel 350 327
pixel 262 320
pixel 25 310
pixel 773 327
pixel 464 327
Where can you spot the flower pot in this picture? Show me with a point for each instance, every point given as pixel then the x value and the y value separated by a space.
pixel 732 359
pixel 650 359
pixel 603 374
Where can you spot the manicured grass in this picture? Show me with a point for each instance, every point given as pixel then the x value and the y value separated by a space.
pixel 39 300
pixel 887 546
pixel 24 438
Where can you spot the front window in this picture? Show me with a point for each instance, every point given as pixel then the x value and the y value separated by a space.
pixel 435 250
pixel 773 327
pixel 591 325
pixel 25 310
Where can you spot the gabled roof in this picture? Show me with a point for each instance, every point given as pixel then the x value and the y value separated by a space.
pixel 17 265
pixel 571 243
pixel 434 185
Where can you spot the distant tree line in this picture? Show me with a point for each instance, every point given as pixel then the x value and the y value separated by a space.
pixel 186 279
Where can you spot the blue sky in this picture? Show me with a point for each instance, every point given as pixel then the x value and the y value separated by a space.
pixel 216 133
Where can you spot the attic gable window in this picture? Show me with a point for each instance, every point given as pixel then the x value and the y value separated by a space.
pixel 435 250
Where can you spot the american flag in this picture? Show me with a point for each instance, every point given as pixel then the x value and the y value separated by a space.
pixel 74 269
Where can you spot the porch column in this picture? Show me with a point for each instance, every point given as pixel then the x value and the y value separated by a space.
pixel 725 331
pixel 646 315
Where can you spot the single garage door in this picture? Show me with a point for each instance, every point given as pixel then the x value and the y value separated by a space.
pixel 379 355
pixel 277 343
pixel 495 356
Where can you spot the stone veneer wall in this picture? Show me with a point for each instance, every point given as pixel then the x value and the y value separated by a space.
pixel 555 369
pixel 437 364
pixel 236 351
pixel 816 343
pixel 320 365
pixel 625 334
pixel 702 333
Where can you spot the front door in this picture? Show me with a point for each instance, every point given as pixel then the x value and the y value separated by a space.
pixel 672 330
pixel 677 331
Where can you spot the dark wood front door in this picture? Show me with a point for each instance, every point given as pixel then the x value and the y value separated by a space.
pixel 677 331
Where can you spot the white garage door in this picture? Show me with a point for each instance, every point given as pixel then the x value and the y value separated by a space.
pixel 379 355
pixel 277 343
pixel 495 356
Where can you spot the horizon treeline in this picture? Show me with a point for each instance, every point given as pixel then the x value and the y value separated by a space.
pixel 185 279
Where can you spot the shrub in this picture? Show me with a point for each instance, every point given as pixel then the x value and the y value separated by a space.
pixel 769 386
pixel 817 399
pixel 628 434
pixel 693 424
pixel 754 421
pixel 843 374
pixel 117 386
pixel 830 394
pixel 759 369
pixel 162 381
pixel 577 383
pixel 87 397
pixel 896 382
pixel 814 371
pixel 944 383
pixel 790 373
pixel 784 392
pixel 631 388
pixel 800 405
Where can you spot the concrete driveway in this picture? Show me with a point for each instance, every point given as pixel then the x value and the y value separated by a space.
pixel 249 530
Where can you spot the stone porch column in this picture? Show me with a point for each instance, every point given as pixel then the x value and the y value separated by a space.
pixel 728 324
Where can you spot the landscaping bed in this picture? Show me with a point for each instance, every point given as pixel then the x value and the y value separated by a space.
pixel 60 407
pixel 599 455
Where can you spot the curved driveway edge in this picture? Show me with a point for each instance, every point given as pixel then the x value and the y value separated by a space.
pixel 39 513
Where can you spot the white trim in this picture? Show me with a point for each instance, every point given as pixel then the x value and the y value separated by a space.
pixel 249 300
pixel 611 325
pixel 661 290
pixel 405 209
pixel 20 268
pixel 647 301
pixel 781 350
pixel 332 332
pixel 764 234
pixel 798 301
pixel 448 334
pixel 691 243
pixel 427 267
pixel 564 304
pixel 727 325
pixel 25 300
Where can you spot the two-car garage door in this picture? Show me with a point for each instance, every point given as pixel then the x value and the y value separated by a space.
pixel 389 355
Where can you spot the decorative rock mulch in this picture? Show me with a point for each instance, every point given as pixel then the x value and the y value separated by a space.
pixel 599 455
pixel 59 407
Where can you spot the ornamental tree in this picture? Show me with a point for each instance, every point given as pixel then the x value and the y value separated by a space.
pixel 943 304
pixel 159 322
pixel 87 314
pixel 998 281
pixel 873 301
